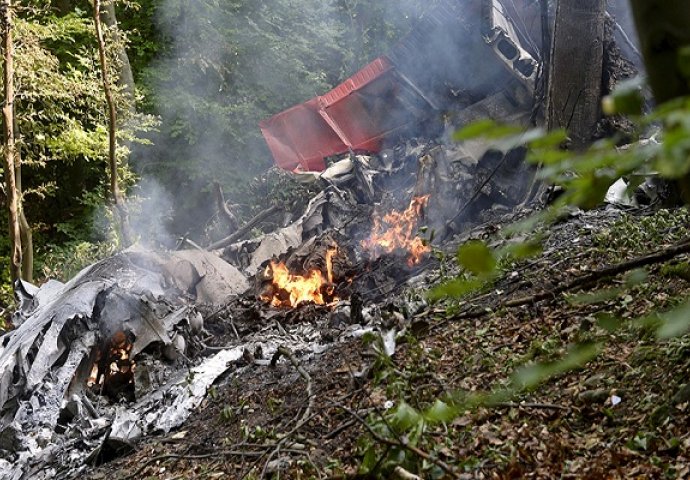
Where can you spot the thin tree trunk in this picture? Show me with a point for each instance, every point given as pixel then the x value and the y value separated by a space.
pixel 576 69
pixel 25 234
pixel 125 76
pixel 63 7
pixel 10 148
pixel 545 38
pixel 115 193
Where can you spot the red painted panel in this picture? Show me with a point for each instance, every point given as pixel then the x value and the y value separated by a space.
pixel 300 139
pixel 356 115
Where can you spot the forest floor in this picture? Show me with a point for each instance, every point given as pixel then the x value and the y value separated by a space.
pixel 623 414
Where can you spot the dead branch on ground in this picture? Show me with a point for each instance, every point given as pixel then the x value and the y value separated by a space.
pixel 537 406
pixel 661 256
pixel 174 456
pixel 286 352
pixel 403 445
pixel 245 229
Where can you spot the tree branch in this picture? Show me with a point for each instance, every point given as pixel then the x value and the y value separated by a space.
pixel 660 256
pixel 223 210
pixel 405 446
pixel 245 229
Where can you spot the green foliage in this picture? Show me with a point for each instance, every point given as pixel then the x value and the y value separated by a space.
pixel 62 135
pixel 230 65
pixel 531 376
pixel 64 261
pixel 406 425
pixel 477 258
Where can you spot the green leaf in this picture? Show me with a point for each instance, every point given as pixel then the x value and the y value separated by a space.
pixel 684 61
pixel 550 140
pixel 369 461
pixel 636 277
pixel 440 412
pixel 675 323
pixel 521 250
pixel 478 258
pixel 474 130
pixel 598 296
pixel 530 376
pixel 627 99
pixel 405 417
pixel 608 322
pixel 456 288
pixel 486 129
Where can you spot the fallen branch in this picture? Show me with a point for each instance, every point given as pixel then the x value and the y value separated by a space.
pixel 192 244
pixel 401 474
pixel 245 229
pixel 173 456
pixel 223 210
pixel 544 406
pixel 286 352
pixel 660 256
pixel 403 445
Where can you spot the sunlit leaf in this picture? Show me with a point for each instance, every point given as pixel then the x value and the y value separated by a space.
pixel 455 288
pixel 477 258
pixel 405 417
pixel 675 323
pixel 440 412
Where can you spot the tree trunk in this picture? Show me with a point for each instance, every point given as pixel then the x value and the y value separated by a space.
pixel 25 234
pixel 10 148
pixel 63 7
pixel 116 195
pixel 576 69
pixel 223 210
pixel 664 29
pixel 125 76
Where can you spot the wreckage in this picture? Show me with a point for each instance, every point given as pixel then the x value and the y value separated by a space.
pixel 131 345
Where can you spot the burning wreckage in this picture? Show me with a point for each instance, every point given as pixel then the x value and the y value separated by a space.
pixel 131 345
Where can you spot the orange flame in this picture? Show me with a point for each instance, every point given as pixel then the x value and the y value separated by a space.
pixel 289 289
pixel 397 231
pixel 117 361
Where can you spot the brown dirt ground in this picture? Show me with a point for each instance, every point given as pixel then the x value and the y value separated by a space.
pixel 566 428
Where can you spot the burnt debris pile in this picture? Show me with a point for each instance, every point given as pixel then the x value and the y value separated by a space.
pixel 131 345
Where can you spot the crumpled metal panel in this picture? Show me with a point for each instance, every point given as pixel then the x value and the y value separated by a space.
pixel 46 361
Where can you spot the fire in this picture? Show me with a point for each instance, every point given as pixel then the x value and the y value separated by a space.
pixel 397 231
pixel 115 363
pixel 288 289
